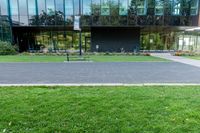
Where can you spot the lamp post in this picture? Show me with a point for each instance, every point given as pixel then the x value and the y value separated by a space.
pixel 77 26
pixel 80 42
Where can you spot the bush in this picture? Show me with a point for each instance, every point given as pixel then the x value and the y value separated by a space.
pixel 184 53
pixel 7 48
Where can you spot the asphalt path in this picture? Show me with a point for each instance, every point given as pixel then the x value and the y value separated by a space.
pixel 127 73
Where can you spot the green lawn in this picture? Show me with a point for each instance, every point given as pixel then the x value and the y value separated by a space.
pixel 150 109
pixel 95 58
pixel 193 57
pixel 124 58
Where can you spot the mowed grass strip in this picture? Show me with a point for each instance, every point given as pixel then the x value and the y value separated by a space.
pixel 34 58
pixel 100 109
pixel 193 57
pixel 94 58
pixel 125 58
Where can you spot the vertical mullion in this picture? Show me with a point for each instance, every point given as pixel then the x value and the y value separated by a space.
pixel 54 2
pixel 36 7
pixel 18 12
pixel 64 11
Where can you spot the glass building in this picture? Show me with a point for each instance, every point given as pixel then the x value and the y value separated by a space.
pixel 109 25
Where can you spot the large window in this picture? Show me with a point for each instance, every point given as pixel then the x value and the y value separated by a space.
pixel 123 7
pixel 141 7
pixel 96 4
pixel 41 6
pixel 59 12
pixel 159 7
pixel 4 7
pixel 14 11
pixel 5 31
pixel 76 7
pixel 23 12
pixel 176 7
pixel 31 7
pixel 43 18
pixel 59 5
pixel 50 7
pixel 105 7
pixel 194 7
pixel 96 9
pixel 69 7
pixel 86 7
pixel 32 12
pixel 14 7
pixel 69 11
pixel 114 7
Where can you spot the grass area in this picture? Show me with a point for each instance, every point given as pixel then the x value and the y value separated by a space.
pixel 124 58
pixel 95 58
pixel 29 58
pixel 100 109
pixel 193 57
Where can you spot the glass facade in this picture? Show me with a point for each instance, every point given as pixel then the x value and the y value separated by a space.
pixel 4 7
pixel 23 11
pixel 5 29
pixel 49 23
pixel 123 7
pixel 194 7
pixel 14 12
pixel 159 7
pixel 188 41
pixel 100 12
pixel 32 12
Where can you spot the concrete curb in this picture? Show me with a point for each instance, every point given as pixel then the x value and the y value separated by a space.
pixel 106 84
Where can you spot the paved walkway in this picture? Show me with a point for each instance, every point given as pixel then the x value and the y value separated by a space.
pixel 98 73
pixel 184 60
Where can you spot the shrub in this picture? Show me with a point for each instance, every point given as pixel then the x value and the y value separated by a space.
pixel 145 54
pixel 184 53
pixel 7 48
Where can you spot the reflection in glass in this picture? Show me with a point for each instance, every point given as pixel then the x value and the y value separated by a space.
pixel 23 12
pixel 159 7
pixel 114 12
pixel 32 12
pixel 4 5
pixel 68 7
pixel 176 7
pixel 141 7
pixel 105 8
pixel 86 7
pixel 123 7
pixel 41 6
pixel 59 12
pixel 31 7
pixel 5 29
pixel 50 7
pixel 194 7
pixel 69 20
pixel 59 5
pixel 96 7
pixel 132 13
pixel 14 7
pixel 14 12
pixel 76 7
pixel 114 8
